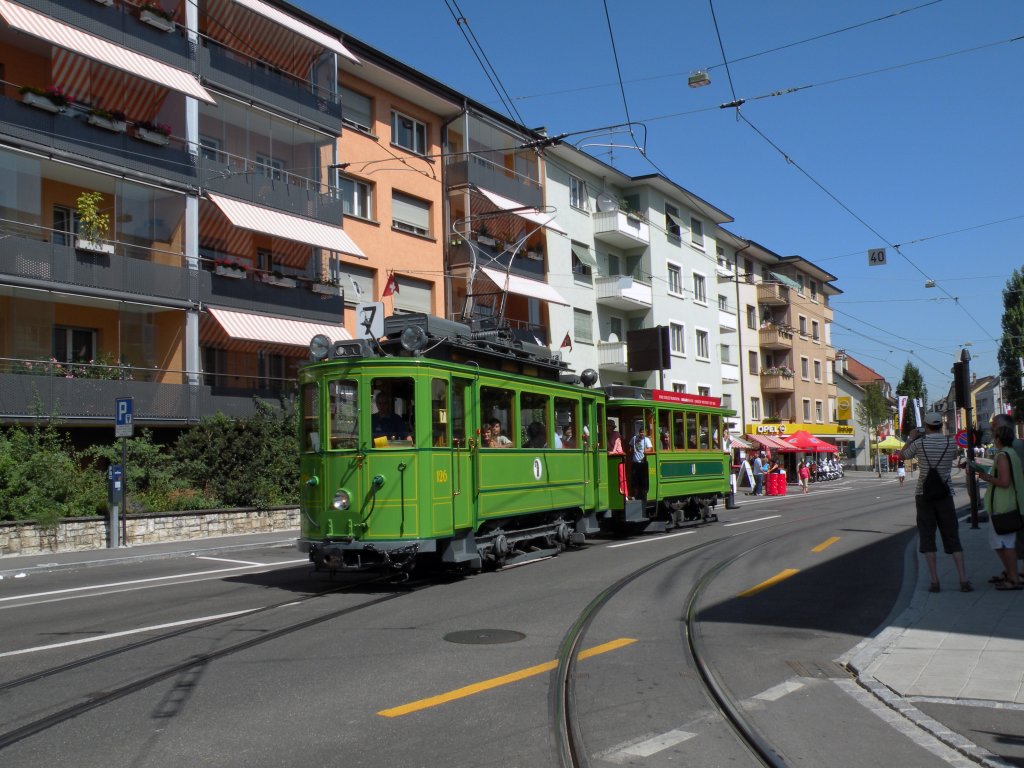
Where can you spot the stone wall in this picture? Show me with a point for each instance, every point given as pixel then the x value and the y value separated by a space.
pixel 81 533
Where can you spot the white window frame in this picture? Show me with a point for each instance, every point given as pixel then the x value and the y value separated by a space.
pixel 408 226
pixel 814 290
pixel 582 318
pixel 679 386
pixel 752 323
pixel 802 325
pixel 815 332
pixel 704 390
pixel 677 333
pixel 817 370
pixel 806 402
pixel 361 201
pixel 578 196
pixel 700 288
pixel 805 368
pixel 755 408
pixel 753 356
pixel 698 334
pixel 696 233
pixel 417 131
pixel 270 167
pixel 819 412
pixel 355 124
pixel 677 271
pixel 672 228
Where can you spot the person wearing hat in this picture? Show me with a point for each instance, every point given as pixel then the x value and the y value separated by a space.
pixel 935 450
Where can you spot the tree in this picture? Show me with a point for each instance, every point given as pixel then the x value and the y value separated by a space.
pixel 873 411
pixel 1011 347
pixel 912 385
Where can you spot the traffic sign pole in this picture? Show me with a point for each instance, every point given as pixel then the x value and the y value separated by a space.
pixel 124 427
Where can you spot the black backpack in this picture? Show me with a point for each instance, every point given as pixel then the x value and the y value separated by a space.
pixel 935 487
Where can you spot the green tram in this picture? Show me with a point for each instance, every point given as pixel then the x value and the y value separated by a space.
pixel 470 448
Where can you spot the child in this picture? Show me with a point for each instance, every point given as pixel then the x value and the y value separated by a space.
pixel 804 473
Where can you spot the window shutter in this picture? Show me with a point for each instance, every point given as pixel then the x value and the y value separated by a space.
pixel 413 295
pixel 411 211
pixel 356 108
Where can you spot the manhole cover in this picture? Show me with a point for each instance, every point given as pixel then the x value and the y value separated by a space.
pixel 484 636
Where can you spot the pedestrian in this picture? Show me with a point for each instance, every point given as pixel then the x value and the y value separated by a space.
pixel 936 450
pixel 1007 546
pixel 804 473
pixel 614 439
pixel 639 446
pixel 759 467
pixel 901 469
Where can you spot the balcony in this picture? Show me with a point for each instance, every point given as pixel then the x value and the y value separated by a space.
pixel 730 373
pixel 830 352
pixel 69 134
pixel 461 256
pixel 724 274
pixel 486 174
pixel 621 230
pixel 282 93
pixel 776 383
pixel 727 321
pixel 774 294
pixel 255 295
pixel 611 355
pixel 623 292
pixel 775 337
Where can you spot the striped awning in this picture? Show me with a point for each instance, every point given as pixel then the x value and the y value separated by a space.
pixel 584 254
pixel 787 281
pixel 524 286
pixel 103 51
pixel 772 443
pixel 738 443
pixel 266 33
pixel 85 81
pixel 251 332
pixel 256 218
pixel 525 212
pixel 217 233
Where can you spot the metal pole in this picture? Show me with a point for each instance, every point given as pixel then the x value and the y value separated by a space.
pixel 124 491
pixel 972 478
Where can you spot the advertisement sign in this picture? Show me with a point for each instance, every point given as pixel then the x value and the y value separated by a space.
pixel 844 408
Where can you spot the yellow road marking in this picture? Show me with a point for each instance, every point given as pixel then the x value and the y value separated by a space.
pixel 782 576
pixel 825 544
pixel 494 682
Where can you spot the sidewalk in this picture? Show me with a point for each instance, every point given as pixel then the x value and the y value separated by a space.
pixel 953 662
pixel 12 565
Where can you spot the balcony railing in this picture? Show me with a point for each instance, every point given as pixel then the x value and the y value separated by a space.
pixel 461 255
pixel 775 337
pixel 776 382
pixel 251 78
pixel 494 177
pixel 621 229
pixel 772 293
pixel 256 292
pixel 612 355
pixel 623 292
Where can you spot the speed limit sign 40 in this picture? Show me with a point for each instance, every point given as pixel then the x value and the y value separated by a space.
pixel 876 257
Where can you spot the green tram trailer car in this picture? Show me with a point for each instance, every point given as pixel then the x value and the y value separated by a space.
pixel 440 442
pixel 686 467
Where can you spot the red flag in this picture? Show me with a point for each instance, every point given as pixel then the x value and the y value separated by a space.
pixel 391 286
pixel 566 342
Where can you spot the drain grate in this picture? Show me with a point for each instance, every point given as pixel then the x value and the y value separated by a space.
pixel 824 670
pixel 484 636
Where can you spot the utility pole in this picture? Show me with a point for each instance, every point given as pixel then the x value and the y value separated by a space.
pixel 962 387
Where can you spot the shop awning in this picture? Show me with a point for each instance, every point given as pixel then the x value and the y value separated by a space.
pixel 772 443
pixel 524 286
pixel 299 27
pixel 530 214
pixel 103 51
pixel 286 226
pixel 584 254
pixel 736 442
pixel 262 329
pixel 787 281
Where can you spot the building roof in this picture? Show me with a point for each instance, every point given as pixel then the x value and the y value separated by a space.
pixel 861 373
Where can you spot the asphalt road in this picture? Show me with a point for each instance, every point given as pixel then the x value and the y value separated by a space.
pixel 254 660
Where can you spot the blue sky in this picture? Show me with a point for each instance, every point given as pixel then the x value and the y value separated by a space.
pixel 926 156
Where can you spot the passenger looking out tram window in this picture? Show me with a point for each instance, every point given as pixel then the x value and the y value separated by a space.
pixel 496 438
pixel 691 431
pixel 533 416
pixel 496 417
pixel 385 423
pixel 614 438
pixel 568 437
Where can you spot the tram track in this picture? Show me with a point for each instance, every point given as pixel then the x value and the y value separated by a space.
pixel 95 700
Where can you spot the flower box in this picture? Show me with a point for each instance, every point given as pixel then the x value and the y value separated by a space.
pixel 488 241
pixel 226 270
pixel 105 2
pixel 280 282
pixel 93 246
pixel 156 20
pixel 40 102
pixel 328 290
pixel 110 124
pixel 153 137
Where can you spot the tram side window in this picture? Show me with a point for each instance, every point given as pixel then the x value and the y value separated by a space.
pixel 600 427
pixel 310 422
pixel 705 431
pixel 691 431
pixel 460 390
pixel 496 427
pixel 533 416
pixel 566 432
pixel 393 414
pixel 344 415
pixel 439 413
pixel 716 432
pixel 664 430
pixel 678 432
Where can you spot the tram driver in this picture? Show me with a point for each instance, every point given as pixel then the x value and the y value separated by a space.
pixel 386 423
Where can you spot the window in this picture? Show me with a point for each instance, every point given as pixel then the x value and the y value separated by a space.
pixel 673 225
pixel 677 338
pixel 723 261
pixel 726 400
pixel 270 167
pixel 496 411
pixel 65 224
pixel 581 270
pixel 680 388
pixel 533 415
pixel 439 413
pixel 805 369
pixel 815 331
pixel 703 346
pixel 675 280
pixel 748 270
pixel 803 325
pixel 583 326
pixel 819 415
pixel 814 290
pixel 343 419
pixel 807 409
pixel 704 391
pixel 817 370
pixel 752 367
pixel 409 214
pixel 751 317
pixel 74 345
pixel 700 290
pixel 408 133
pixel 357 197
pixel 356 109
pixel 209 149
pixel 310 399
pixel 392 418
pixel 725 354
pixel 566 432
pixel 755 408
pixel 578 194
pixel 800 281
pixel 697 232
pixel 615 329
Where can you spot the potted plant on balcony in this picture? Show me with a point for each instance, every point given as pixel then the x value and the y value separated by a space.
pixel 51 99
pixel 278 278
pixel 93 224
pixel 111 119
pixel 227 268
pixel 483 237
pixel 156 16
pixel 154 133
pixel 328 286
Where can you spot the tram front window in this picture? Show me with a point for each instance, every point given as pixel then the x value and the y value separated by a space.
pixel 343 421
pixel 391 419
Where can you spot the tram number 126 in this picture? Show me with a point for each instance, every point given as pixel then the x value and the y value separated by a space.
pixel 441 476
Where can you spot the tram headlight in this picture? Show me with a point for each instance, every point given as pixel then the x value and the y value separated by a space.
pixel 319 346
pixel 342 501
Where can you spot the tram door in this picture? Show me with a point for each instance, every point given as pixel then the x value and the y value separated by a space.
pixel 595 466
pixel 462 421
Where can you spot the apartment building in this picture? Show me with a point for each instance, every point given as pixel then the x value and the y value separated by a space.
pixel 203 135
